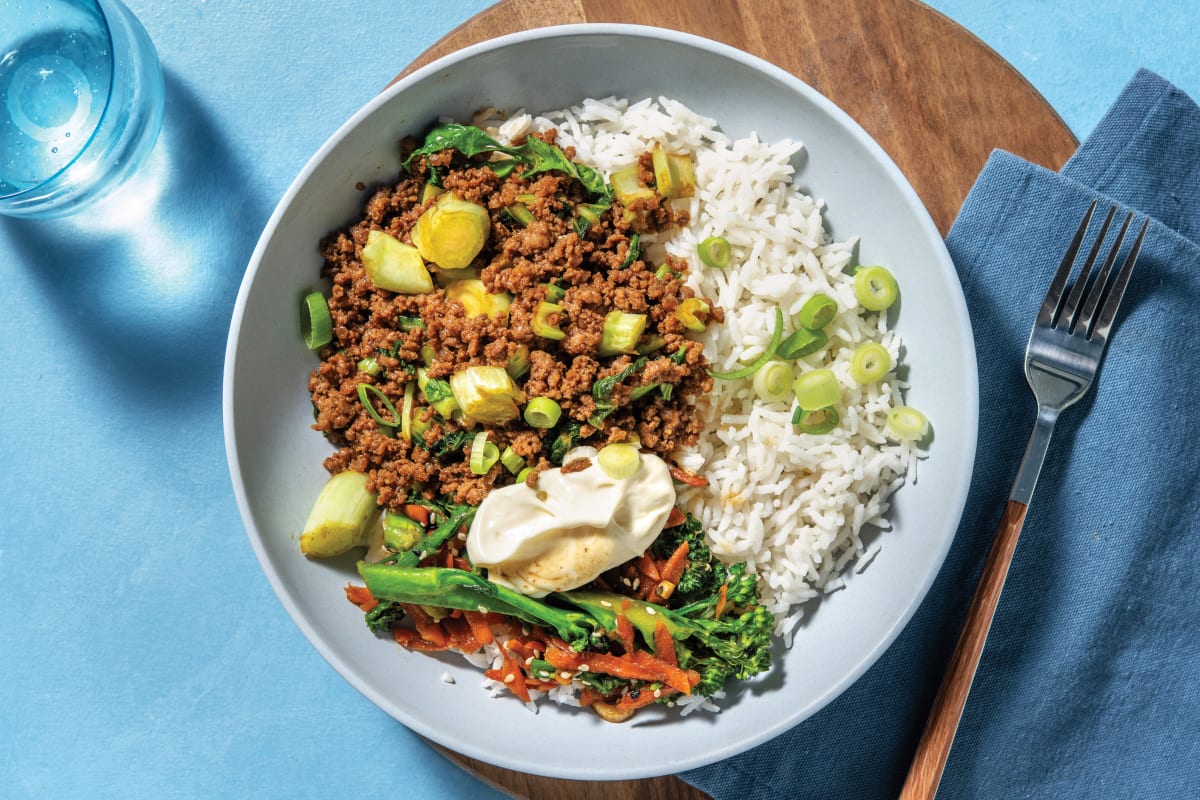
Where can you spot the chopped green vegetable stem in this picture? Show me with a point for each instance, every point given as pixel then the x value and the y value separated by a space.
pixel 762 359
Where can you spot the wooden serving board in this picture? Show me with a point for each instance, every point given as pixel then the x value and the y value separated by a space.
pixel 936 98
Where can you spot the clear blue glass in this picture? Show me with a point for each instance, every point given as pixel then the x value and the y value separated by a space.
pixel 81 103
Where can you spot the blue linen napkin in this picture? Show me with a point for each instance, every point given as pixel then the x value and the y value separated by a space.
pixel 1090 683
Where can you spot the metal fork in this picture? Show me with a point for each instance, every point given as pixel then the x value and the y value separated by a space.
pixel 1065 349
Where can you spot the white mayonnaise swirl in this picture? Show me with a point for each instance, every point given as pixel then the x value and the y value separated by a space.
pixel 572 527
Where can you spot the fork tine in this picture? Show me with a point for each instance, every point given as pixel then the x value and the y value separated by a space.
pixel 1049 307
pixel 1066 318
pixel 1109 312
pixel 1097 290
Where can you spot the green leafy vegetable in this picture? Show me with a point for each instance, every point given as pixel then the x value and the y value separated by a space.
pixel 602 391
pixel 567 439
pixel 634 252
pixel 536 155
pixel 459 517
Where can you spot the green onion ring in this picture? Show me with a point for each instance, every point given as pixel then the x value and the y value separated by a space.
pixel 316 326
pixel 817 389
pixel 870 362
pixel 542 412
pixel 714 252
pixel 906 424
pixel 619 461
pixel 817 312
pixel 366 389
pixel 763 358
pixel 773 383
pixel 484 454
pixel 817 421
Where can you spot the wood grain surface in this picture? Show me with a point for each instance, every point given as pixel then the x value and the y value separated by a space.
pixel 936 99
pixel 934 747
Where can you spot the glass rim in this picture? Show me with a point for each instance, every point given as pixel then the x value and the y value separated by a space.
pixel 56 176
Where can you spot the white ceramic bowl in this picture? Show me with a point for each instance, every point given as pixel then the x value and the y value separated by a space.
pixel 275 459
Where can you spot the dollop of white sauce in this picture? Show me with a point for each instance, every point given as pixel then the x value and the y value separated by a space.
pixel 572 527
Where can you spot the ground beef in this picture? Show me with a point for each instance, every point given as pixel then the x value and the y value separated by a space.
pixel 383 339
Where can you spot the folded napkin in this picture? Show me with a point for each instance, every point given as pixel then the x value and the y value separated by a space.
pixel 1090 683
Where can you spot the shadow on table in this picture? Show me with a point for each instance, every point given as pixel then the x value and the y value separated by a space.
pixel 144 281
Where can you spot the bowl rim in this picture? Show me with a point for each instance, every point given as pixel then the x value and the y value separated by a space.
pixel 956 493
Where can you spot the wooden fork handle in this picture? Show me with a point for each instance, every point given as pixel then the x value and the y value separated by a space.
pixel 934 747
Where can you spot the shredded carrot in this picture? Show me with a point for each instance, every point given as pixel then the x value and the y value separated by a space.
pixel 460 635
pixel 690 478
pixel 625 666
pixel 648 568
pixel 625 632
pixel 480 628
pixel 560 654
pixel 673 570
pixel 676 517
pixel 513 678
pixel 664 645
pixel 721 598
pixel 670 675
pixel 361 597
pixel 417 513
pixel 431 631
pixel 413 640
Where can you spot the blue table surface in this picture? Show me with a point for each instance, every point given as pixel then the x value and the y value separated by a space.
pixel 142 653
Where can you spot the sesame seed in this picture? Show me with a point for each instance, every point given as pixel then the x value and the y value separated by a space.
pixel 529 661
pixel 482 609
pixel 606 604
pixel 650 610
pixel 625 581
pixel 658 692
pixel 564 675
pixel 636 583
pixel 509 678
pixel 584 668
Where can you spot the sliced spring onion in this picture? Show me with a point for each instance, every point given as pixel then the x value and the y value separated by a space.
pixel 619 461
pixel 406 411
pixel 486 394
pixel 773 382
pixel 369 366
pixel 394 265
pixel 554 292
pixel 523 474
pixel 714 252
pixel 665 273
pixel 400 533
pixel 802 343
pixel 692 313
pixel 542 412
pixel 541 324
pixel 316 326
pixel 906 424
pixel 511 461
pixel 518 362
pixel 621 332
pixel 650 343
pixel 428 355
pixel 421 422
pixel 817 421
pixel 340 517
pixel 484 454
pixel 817 312
pixel 817 389
pixel 870 362
pixel 763 358
pixel 875 288
pixel 365 390
pixel 519 214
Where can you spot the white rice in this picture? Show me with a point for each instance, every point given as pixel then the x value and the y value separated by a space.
pixel 794 506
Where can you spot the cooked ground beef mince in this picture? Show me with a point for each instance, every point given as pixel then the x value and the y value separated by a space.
pixel 431 331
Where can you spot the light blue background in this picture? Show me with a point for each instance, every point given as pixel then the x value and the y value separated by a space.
pixel 142 653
